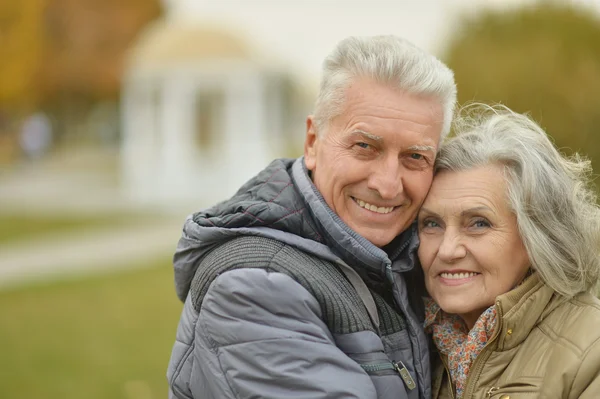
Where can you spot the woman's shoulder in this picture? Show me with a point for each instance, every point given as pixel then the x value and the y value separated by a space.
pixel 586 299
pixel 584 310
pixel 574 322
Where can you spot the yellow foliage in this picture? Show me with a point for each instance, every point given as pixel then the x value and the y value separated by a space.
pixel 53 49
pixel 20 49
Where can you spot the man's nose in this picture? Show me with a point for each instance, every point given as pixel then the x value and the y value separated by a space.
pixel 386 179
pixel 452 247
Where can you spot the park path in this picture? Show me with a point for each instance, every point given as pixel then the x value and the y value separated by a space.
pixel 84 252
pixel 80 183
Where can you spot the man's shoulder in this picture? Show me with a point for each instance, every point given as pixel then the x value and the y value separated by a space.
pixel 320 277
pixel 249 251
pixel 254 252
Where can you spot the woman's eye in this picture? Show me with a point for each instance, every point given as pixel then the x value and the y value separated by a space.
pixel 481 223
pixel 428 224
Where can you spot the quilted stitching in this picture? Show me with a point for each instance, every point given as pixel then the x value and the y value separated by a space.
pixel 261 202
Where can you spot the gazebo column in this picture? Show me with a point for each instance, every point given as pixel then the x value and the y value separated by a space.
pixel 174 128
pixel 140 132
pixel 245 130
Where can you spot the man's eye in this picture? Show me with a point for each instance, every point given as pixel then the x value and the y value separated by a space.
pixel 363 145
pixel 416 156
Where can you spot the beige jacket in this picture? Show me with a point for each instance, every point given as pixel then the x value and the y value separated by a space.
pixel 543 347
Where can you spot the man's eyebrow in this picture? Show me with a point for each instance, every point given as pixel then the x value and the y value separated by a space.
pixel 421 148
pixel 367 135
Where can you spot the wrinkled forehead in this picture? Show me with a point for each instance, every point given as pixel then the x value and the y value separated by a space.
pixel 455 191
pixel 385 109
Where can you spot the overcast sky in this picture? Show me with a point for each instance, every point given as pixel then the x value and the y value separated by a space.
pixel 302 32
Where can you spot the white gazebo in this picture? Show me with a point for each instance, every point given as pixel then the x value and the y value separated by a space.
pixel 201 114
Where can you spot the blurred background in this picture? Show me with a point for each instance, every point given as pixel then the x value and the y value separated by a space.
pixel 118 118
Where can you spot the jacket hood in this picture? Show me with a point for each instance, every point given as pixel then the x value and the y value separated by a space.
pixel 282 203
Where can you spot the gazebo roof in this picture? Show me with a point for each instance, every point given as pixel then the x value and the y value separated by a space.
pixel 167 43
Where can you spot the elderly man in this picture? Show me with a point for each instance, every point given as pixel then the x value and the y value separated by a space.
pixel 301 284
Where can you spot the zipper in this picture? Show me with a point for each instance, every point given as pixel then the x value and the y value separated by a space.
pixel 388 264
pixel 389 274
pixel 491 391
pixel 375 367
pixel 480 360
pixel 398 367
pixel 405 309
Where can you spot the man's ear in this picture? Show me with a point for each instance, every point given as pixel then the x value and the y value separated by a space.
pixel 310 144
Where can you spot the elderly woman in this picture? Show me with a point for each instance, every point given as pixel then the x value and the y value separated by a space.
pixel 510 243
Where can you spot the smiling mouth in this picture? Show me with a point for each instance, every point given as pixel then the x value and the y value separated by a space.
pixel 458 276
pixel 374 208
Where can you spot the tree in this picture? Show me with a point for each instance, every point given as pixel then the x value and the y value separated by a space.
pixel 65 56
pixel 85 43
pixel 544 60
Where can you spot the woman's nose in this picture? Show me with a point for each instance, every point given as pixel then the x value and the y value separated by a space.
pixel 452 247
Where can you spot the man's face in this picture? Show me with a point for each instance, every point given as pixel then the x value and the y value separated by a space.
pixel 373 164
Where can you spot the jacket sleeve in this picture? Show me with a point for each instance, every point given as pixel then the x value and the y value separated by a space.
pixel 587 381
pixel 259 334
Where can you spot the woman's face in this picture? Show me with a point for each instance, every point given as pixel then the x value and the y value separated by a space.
pixel 471 250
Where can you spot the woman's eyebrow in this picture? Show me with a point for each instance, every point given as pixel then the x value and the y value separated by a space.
pixel 427 211
pixel 475 210
pixel 466 212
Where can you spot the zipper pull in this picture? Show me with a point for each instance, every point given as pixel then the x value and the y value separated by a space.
pixel 389 274
pixel 405 375
pixel 491 391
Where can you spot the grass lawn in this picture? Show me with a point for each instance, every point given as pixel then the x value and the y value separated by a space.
pixel 95 338
pixel 16 227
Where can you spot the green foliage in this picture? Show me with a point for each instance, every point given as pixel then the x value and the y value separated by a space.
pixel 95 338
pixel 544 60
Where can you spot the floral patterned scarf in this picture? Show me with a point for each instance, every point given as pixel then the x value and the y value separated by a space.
pixel 455 342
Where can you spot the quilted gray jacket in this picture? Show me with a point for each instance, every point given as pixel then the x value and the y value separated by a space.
pixel 283 300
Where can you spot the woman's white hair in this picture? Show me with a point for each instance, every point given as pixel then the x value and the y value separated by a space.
pixel 551 194
pixel 390 60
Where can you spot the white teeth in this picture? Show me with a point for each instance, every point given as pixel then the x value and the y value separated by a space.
pixel 374 208
pixel 458 276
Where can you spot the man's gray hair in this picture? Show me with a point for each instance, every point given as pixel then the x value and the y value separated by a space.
pixel 551 194
pixel 389 60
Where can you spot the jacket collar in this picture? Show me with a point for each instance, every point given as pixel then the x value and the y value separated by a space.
pixel 521 309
